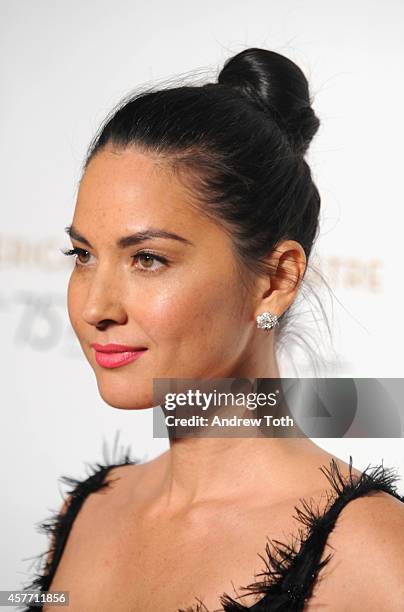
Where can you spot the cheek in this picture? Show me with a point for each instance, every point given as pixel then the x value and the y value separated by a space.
pixel 196 315
pixel 74 303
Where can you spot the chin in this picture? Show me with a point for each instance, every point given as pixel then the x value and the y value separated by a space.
pixel 127 397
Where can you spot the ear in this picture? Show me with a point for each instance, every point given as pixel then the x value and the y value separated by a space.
pixel 286 268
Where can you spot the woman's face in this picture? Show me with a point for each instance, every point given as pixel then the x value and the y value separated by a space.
pixel 179 296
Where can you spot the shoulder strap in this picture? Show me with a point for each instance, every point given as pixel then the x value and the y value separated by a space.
pixel 57 527
pixel 291 569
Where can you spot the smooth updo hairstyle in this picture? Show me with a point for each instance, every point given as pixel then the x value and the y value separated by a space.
pixel 239 145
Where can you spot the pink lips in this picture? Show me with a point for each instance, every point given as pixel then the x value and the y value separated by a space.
pixel 115 355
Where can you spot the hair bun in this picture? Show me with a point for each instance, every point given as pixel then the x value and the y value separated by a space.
pixel 277 86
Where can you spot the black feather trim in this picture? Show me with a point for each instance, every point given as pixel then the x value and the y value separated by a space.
pixel 291 570
pixel 57 526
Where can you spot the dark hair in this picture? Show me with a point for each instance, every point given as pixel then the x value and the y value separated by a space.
pixel 240 142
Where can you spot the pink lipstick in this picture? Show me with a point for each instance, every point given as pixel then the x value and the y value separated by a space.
pixel 114 355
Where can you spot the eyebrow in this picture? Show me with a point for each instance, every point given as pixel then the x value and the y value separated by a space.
pixel 133 239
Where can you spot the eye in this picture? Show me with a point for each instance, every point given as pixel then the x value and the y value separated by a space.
pixel 148 260
pixel 82 256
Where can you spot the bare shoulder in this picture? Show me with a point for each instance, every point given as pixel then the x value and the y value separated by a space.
pixel 132 486
pixel 366 570
pixel 122 482
pixel 375 523
pixel 104 499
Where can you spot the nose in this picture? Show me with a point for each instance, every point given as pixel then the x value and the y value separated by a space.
pixel 104 305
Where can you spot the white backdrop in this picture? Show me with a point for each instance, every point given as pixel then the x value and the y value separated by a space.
pixel 64 64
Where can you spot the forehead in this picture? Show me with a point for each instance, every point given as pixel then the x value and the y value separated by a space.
pixel 123 189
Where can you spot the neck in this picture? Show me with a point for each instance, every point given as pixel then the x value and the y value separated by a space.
pixel 198 469
pixel 215 468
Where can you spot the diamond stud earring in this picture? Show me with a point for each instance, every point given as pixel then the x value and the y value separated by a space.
pixel 267 320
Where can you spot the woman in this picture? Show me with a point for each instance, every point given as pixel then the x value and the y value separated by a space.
pixel 194 224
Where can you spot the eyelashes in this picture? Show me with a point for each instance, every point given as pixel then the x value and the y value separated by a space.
pixel 77 253
pixel 147 256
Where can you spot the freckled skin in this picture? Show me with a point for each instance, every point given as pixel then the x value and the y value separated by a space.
pixel 194 315
pixel 197 320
